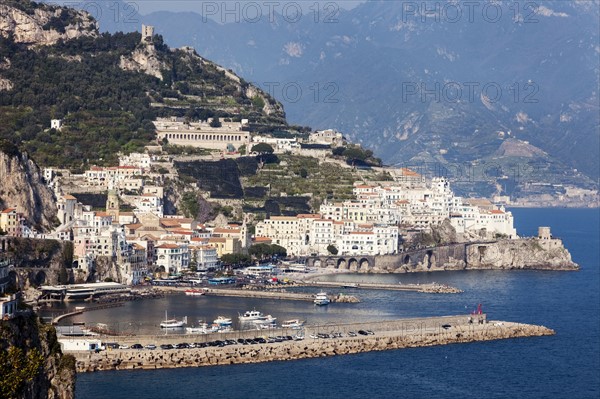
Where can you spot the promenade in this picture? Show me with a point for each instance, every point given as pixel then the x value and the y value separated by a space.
pixel 393 334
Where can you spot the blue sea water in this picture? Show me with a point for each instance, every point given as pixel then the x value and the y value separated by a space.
pixel 566 365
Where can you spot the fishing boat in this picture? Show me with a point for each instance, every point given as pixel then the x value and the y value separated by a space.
pixel 294 323
pixel 173 323
pixel 202 328
pixel 321 299
pixel 252 315
pixel 223 321
pixel 192 292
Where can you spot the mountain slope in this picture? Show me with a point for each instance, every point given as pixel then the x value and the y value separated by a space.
pixel 106 88
pixel 534 73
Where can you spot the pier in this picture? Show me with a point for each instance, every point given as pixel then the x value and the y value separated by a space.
pixel 432 288
pixel 393 334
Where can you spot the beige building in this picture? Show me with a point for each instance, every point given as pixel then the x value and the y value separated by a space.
pixel 228 137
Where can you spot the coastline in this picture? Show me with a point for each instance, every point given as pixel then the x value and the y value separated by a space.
pixel 388 335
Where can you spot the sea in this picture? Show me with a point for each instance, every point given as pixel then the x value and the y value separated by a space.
pixel 566 365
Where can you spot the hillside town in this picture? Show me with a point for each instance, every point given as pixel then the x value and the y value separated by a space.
pixel 382 218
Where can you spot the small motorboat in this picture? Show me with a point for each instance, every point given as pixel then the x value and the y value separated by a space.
pixel 321 299
pixel 294 323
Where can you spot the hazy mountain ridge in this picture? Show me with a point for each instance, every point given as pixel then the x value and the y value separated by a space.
pixel 376 54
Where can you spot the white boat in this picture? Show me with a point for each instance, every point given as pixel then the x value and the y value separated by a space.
pixel 203 328
pixel 223 321
pixel 192 292
pixel 251 315
pixel 321 299
pixel 267 320
pixel 173 323
pixel 294 323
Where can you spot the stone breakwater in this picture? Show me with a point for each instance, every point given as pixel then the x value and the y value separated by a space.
pixel 404 334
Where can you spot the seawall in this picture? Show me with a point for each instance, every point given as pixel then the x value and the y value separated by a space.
pixel 398 334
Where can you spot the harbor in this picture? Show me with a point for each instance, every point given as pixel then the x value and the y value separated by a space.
pixel 276 294
pixel 314 341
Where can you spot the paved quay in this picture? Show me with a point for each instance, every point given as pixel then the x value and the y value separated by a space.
pixel 432 288
pixel 394 334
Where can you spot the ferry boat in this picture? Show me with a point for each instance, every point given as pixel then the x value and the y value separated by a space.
pixel 173 323
pixel 192 292
pixel 321 299
pixel 294 323
pixel 223 321
pixel 251 315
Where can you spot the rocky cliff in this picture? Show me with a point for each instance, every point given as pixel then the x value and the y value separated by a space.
pixel 520 254
pixel 22 187
pixel 33 365
pixel 42 25
pixel 533 253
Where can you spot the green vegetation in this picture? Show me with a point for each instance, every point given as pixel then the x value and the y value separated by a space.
pixel 262 148
pixel 332 249
pixel 236 259
pixel 262 251
pixel 17 368
pixel 188 205
pixel 107 110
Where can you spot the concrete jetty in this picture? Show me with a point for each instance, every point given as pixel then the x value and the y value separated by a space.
pixel 431 288
pixel 394 334
pixel 279 294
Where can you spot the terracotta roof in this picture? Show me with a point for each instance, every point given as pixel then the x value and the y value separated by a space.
pixel 262 239
pixel 9 210
pixel 167 246
pixel 102 214
pixel 138 246
pixel 497 211
pixel 364 186
pixel 69 197
pixel 169 223
pixel 226 230
pixel 217 239
pixel 198 239
pixel 308 216
pixel 133 226
pixel 408 172
pixel 361 232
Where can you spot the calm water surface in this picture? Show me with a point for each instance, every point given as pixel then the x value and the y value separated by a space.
pixel 566 365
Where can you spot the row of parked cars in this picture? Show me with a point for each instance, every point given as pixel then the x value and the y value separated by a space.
pixel 341 335
pixel 219 343
pixel 240 341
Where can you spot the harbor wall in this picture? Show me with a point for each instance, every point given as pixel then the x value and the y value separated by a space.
pixel 402 334
pixel 525 253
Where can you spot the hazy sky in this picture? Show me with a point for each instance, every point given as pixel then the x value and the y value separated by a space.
pixel 148 6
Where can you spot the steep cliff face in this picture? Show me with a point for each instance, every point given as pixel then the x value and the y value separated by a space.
pixel 43 25
pixel 36 367
pixel 520 254
pixel 22 187
pixel 144 60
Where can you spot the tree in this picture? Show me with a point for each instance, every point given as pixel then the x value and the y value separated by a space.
pixel 215 122
pixel 303 173
pixel 262 148
pixel 338 151
pixel 16 369
pixel 332 249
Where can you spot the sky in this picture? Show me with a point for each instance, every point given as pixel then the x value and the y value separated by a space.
pixel 148 6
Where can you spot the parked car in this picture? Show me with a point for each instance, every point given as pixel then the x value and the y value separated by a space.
pixel 137 346
pixel 150 346
pixel 363 332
